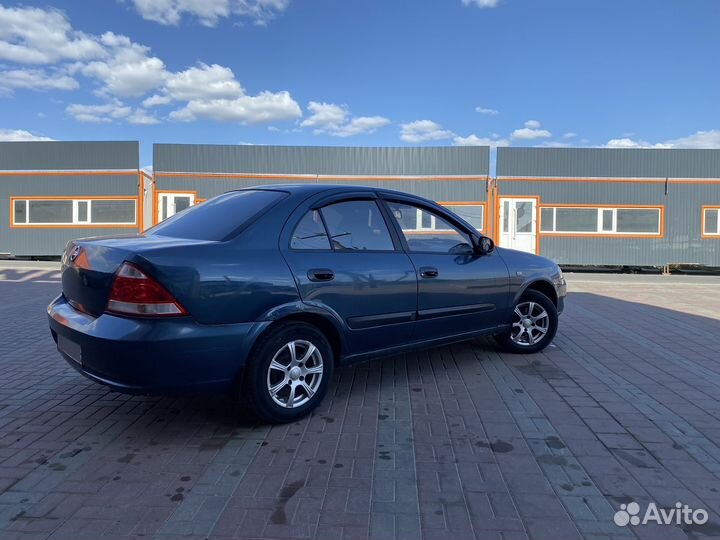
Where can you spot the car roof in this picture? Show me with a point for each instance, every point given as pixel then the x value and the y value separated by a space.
pixel 316 188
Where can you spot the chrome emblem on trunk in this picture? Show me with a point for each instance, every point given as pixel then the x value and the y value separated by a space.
pixel 74 253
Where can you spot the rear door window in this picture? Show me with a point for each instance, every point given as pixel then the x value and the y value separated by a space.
pixel 357 226
pixel 310 233
pixel 218 218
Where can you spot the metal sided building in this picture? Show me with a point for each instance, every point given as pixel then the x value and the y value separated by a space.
pixel 456 177
pixel 618 207
pixel 52 192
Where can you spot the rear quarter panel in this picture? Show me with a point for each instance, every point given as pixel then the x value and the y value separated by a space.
pixel 227 282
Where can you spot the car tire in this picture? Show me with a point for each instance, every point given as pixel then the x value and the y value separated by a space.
pixel 292 363
pixel 535 322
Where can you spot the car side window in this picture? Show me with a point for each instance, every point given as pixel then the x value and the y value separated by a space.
pixel 357 225
pixel 310 233
pixel 427 231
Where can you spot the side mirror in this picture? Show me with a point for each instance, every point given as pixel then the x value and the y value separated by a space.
pixel 483 245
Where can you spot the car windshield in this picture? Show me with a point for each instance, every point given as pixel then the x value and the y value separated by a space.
pixel 218 218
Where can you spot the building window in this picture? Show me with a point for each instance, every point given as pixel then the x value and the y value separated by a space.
pixel 474 214
pixel 603 220
pixel 20 212
pixel 111 211
pixel 711 221
pixel 69 212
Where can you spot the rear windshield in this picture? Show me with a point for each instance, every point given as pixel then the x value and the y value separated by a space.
pixel 217 218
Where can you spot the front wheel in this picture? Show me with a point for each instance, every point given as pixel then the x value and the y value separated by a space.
pixel 534 324
pixel 288 373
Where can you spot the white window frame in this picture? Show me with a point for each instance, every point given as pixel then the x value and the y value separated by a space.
pixel 599 230
pixel 75 213
pixel 707 209
pixel 170 196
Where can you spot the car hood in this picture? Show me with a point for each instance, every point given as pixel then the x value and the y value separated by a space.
pixel 528 263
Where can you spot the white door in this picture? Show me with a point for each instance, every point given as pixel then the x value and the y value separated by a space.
pixel 518 224
pixel 172 203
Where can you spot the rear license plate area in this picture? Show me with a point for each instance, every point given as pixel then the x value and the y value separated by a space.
pixel 70 349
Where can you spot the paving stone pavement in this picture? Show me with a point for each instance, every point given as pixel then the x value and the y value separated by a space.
pixel 455 442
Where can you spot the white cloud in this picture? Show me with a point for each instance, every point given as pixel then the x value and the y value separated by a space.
pixel 42 36
pixel 35 79
pixel 14 135
pixel 626 142
pixel 156 100
pixel 265 107
pixel 45 36
pixel 360 125
pixel 209 12
pixel 481 3
pixel 554 144
pixel 699 139
pixel 569 135
pixel 130 71
pixel 125 69
pixel 486 111
pixel 335 120
pixel 104 113
pixel 530 131
pixel 324 115
pixel 474 140
pixel 142 118
pixel 423 130
pixel 203 82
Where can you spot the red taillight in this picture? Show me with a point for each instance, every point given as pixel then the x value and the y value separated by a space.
pixel 135 293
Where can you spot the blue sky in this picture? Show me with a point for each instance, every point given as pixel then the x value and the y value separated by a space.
pixel 369 73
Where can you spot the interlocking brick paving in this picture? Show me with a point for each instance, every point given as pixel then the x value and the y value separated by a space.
pixel 454 442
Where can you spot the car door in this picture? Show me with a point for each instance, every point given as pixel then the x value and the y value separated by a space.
pixel 347 259
pixel 459 291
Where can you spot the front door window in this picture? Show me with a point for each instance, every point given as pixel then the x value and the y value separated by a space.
pixel 428 232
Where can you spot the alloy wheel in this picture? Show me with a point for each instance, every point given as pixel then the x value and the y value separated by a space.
pixel 530 324
pixel 294 374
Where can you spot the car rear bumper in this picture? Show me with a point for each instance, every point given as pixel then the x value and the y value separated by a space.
pixel 158 356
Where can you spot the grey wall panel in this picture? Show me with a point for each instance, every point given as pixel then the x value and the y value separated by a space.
pixel 431 161
pixel 445 191
pixel 60 185
pixel 50 241
pixel 608 162
pixel 43 156
pixel 682 242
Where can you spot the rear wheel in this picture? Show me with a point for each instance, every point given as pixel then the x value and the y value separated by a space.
pixel 288 373
pixel 534 324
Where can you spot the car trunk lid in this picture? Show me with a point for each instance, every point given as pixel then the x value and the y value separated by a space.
pixel 89 266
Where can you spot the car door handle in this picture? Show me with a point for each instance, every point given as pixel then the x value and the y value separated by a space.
pixel 428 272
pixel 321 274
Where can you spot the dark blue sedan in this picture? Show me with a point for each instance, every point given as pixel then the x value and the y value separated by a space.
pixel 263 291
